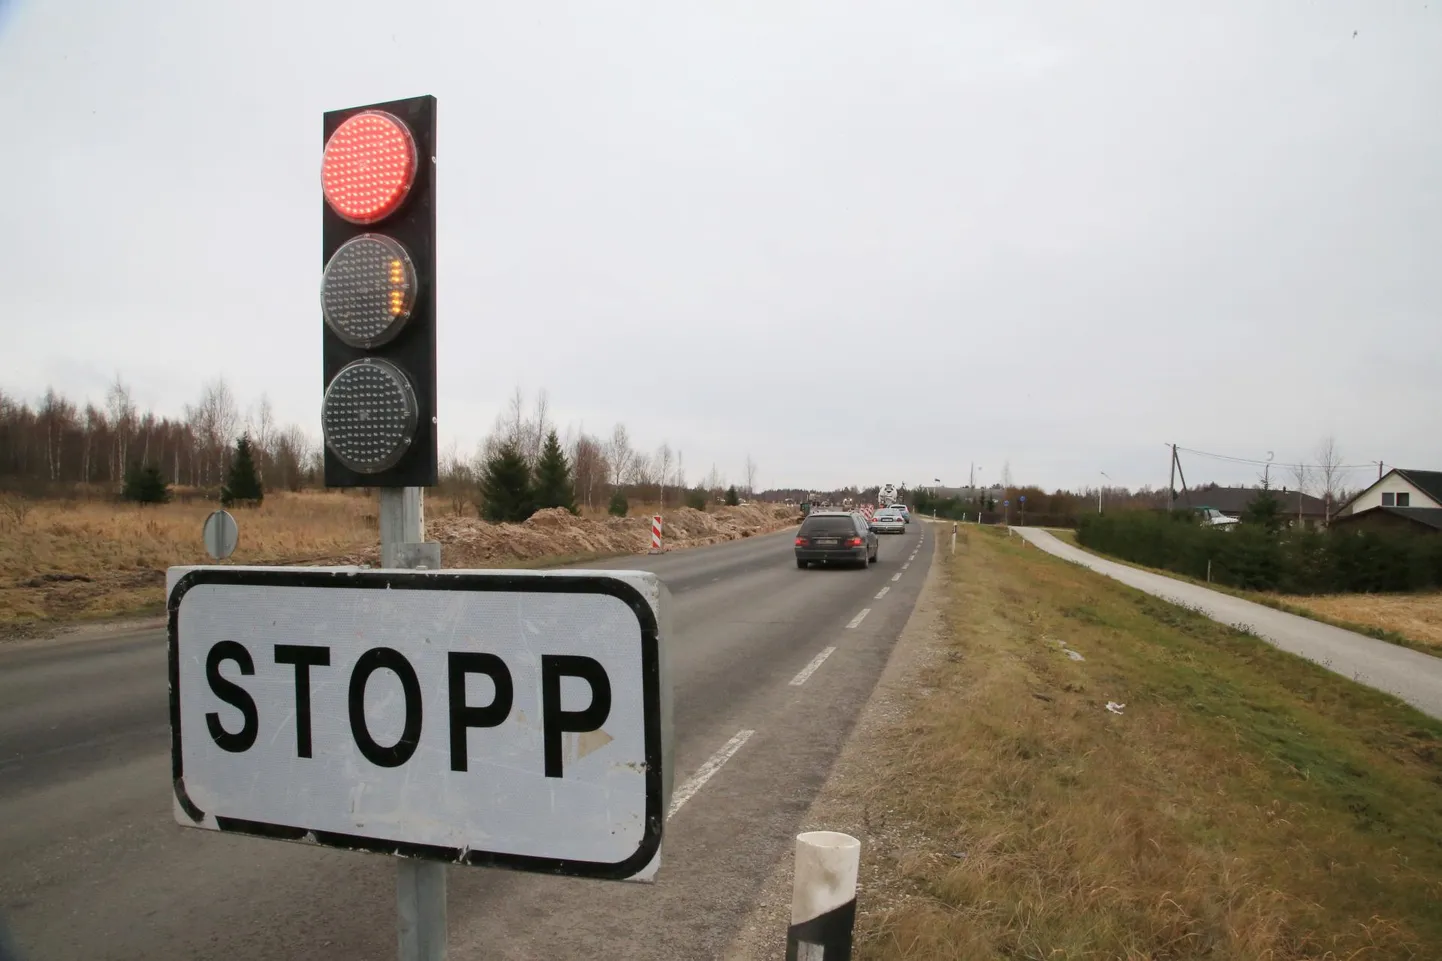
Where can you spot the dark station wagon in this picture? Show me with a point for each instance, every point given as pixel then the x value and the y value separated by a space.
pixel 836 537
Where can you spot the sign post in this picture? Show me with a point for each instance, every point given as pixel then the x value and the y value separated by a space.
pixel 420 885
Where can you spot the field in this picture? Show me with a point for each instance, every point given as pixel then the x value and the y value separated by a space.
pixel 1243 804
pixel 1417 617
pixel 62 561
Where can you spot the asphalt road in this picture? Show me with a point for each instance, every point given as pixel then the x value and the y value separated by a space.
pixel 1411 675
pixel 92 864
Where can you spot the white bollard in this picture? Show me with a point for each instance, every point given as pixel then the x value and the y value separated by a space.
pixel 953 542
pixel 823 897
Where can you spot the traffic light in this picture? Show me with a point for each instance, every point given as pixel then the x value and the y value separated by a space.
pixel 378 295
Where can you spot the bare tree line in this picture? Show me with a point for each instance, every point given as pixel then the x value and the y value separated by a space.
pixel 600 463
pixel 58 443
pixel 54 444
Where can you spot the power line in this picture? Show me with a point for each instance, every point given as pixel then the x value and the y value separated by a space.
pixel 1263 463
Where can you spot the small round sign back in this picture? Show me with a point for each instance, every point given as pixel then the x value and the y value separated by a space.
pixel 220 535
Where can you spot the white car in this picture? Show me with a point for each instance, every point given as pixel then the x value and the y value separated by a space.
pixel 904 510
pixel 888 520
pixel 1211 517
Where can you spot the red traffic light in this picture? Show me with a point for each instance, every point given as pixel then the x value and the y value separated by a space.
pixel 369 166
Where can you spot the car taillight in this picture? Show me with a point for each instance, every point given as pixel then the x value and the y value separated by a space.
pixel 854 542
pixel 800 542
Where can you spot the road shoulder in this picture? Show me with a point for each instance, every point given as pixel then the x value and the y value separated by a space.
pixel 840 803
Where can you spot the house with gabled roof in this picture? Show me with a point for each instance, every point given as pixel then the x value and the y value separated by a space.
pixel 1399 499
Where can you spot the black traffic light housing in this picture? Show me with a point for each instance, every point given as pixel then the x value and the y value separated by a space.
pixel 413 224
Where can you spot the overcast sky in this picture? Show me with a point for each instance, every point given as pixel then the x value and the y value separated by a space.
pixel 865 242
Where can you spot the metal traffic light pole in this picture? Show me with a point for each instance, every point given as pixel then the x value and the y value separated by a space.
pixel 420 885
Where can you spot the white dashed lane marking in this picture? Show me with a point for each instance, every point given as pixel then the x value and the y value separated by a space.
pixel 882 593
pixel 895 577
pixel 810 669
pixel 707 771
pixel 859 618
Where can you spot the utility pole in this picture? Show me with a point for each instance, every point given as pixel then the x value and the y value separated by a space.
pixel 1172 480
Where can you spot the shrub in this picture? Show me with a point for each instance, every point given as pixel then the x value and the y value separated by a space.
pixel 1249 556
pixel 618 506
pixel 554 486
pixel 732 498
pixel 243 484
pixel 696 499
pixel 146 485
pixel 506 493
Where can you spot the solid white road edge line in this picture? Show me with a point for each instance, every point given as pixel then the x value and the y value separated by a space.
pixel 882 593
pixel 810 669
pixel 707 771
pixel 859 618
pixel 896 577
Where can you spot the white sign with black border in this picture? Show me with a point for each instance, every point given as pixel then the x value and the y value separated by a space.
pixel 505 719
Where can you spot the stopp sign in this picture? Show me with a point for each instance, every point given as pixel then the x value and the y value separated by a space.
pixel 510 719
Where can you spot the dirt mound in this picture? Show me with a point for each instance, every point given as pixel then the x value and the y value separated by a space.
pixel 558 534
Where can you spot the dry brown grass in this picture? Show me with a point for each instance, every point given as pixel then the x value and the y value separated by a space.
pixel 1414 616
pixel 94 558
pixel 1246 805
pixel 66 560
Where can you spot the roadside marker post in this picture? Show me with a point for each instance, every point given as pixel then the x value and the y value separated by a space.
pixel 655 534
pixel 823 897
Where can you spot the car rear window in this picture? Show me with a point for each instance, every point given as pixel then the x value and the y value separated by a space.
pixel 828 525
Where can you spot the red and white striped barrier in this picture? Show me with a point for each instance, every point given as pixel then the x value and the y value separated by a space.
pixel 868 512
pixel 656 534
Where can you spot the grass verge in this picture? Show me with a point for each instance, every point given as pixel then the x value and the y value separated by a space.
pixel 1246 804
pixel 1407 620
